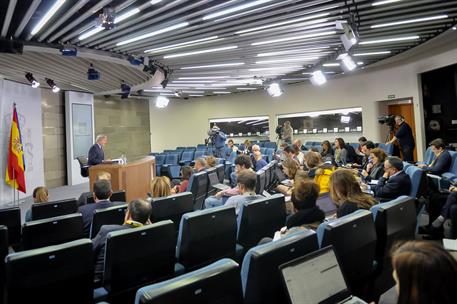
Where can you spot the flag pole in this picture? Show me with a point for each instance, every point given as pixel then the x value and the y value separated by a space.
pixel 14 194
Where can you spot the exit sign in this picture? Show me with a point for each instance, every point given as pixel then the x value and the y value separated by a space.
pixel 391 96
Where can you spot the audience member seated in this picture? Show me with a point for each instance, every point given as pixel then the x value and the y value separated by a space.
pixel 424 272
pixel 366 150
pixel 327 151
pixel 137 215
pixel 444 218
pixel 290 151
pixel 344 153
pixel 211 162
pixel 375 169
pixel 102 194
pixel 102 175
pixel 246 186
pixel 306 213
pixel 40 195
pixel 299 155
pixel 186 172
pixel 200 164
pixel 345 191
pixel 318 170
pixel 257 159
pixel 442 161
pixel 394 182
pixel 247 147
pixel 290 168
pixel 298 144
pixel 160 187
pixel 362 140
pixel 232 147
pixel 242 163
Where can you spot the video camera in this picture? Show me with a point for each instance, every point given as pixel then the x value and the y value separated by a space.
pixel 278 131
pixel 387 120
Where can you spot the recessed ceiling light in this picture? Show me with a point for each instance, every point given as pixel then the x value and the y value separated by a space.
pixel 294 38
pixel 372 53
pixel 384 2
pixel 234 9
pixel 190 81
pixel 409 21
pixel 221 92
pixel 282 23
pixel 246 89
pixel 287 60
pixel 300 51
pixel 154 33
pixel 386 40
pixel 276 68
pixel 184 44
pixel 335 64
pixel 201 52
pixel 54 8
pixel 212 65
pixel 205 77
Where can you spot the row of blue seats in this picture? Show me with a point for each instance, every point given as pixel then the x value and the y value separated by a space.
pixel 359 240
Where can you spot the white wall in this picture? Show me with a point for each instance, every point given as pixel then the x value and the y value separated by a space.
pixel 184 123
pixel 28 106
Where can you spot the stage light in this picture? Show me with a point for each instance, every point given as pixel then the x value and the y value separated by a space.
pixel 106 19
pixel 161 102
pixel 318 78
pixel 92 74
pixel 348 63
pixel 52 85
pixel 68 51
pixel 274 89
pixel 32 80
pixel 349 37
pixel 125 90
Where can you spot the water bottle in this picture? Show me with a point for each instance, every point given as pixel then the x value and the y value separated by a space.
pixel 124 159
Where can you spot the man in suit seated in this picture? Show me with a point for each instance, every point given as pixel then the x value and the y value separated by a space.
pixel 96 154
pixel 102 175
pixel 138 214
pixel 102 193
pixel 394 182
pixel 442 161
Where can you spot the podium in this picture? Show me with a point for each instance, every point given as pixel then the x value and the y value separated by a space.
pixel 134 177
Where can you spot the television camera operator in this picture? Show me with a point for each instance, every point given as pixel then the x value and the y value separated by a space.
pixel 404 137
pixel 217 140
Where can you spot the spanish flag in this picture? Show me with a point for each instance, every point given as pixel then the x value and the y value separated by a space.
pixel 15 170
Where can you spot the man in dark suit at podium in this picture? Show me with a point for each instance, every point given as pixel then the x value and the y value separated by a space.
pixel 96 154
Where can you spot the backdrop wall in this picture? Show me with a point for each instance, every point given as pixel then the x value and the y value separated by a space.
pixel 28 105
pixel 184 123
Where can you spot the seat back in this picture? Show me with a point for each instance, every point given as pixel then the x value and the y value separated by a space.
pixel 388 148
pixel 107 216
pixel 199 153
pixel 260 277
pixel 55 274
pixel 354 238
pixel 429 156
pixel 11 218
pixel 215 283
pixel 150 256
pixel 206 236
pixel 198 184
pixel 394 220
pixel 187 156
pixel 417 176
pixel 260 182
pixel 220 172
pixel 52 231
pixel 172 159
pixel 53 209
pixel 259 219
pixel 160 159
pixel 209 189
pixel 118 196
pixel 171 208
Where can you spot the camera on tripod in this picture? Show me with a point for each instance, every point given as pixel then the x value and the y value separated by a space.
pixel 388 120
pixel 278 131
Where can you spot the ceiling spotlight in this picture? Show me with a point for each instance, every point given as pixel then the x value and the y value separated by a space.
pixel 52 85
pixel 32 80
pixel 161 102
pixel 92 74
pixel 125 90
pixel 274 89
pixel 318 78
pixel 106 19
pixel 348 63
pixel 454 27
pixel 349 37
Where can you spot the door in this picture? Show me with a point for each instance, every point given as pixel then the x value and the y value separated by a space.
pixel 407 111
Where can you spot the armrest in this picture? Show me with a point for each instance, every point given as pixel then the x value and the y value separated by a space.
pixel 441 181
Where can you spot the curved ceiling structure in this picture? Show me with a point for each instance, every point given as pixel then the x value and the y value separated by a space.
pixel 211 47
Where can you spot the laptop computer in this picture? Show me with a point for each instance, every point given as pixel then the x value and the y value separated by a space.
pixel 316 278
pixel 326 204
pixel 214 181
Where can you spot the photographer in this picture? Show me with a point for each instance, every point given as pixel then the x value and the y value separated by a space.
pixel 404 136
pixel 217 139
pixel 287 132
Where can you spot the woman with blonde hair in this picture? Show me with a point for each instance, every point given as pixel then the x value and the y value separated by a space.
pixel 290 167
pixel 160 187
pixel 345 191
pixel 40 195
